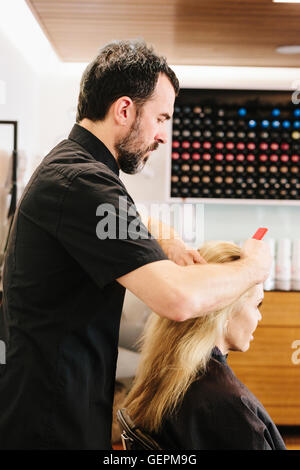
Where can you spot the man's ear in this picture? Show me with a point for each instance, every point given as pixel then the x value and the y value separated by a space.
pixel 124 111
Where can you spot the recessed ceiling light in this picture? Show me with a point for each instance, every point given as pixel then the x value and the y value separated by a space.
pixel 286 1
pixel 288 49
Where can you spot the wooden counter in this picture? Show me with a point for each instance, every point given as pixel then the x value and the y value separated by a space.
pixel 271 367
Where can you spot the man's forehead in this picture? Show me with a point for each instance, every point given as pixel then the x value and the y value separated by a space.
pixel 162 107
pixel 164 104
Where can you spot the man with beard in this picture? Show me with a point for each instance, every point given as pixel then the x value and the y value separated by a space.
pixel 65 277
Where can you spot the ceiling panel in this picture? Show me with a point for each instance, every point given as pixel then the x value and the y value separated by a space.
pixel 188 32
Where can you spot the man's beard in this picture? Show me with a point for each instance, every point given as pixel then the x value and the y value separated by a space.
pixel 130 153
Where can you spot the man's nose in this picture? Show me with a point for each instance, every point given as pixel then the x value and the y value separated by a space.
pixel 161 138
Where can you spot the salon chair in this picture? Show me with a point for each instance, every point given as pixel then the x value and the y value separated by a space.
pixel 134 438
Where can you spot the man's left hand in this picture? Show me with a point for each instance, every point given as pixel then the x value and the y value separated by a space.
pixel 177 251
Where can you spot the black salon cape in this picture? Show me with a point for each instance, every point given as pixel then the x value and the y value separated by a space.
pixel 62 304
pixel 218 412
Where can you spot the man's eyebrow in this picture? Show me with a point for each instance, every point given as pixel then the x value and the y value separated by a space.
pixel 166 115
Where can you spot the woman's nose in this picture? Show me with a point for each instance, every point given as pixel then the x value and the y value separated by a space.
pixel 259 316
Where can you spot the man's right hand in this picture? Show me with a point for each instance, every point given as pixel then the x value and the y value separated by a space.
pixel 259 254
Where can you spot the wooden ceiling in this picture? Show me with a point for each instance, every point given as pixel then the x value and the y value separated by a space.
pixel 187 32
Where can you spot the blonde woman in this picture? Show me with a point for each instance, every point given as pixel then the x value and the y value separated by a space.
pixel 185 395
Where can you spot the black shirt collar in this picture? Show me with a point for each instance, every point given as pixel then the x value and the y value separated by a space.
pixel 216 354
pixel 94 146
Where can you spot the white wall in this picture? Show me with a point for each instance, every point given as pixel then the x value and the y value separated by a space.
pixel 21 98
pixel 57 108
pixel 19 102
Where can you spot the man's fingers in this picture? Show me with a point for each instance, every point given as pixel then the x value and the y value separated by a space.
pixel 189 257
pixel 197 258
pixel 202 260
pixel 180 254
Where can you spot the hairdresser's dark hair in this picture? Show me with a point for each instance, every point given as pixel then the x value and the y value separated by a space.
pixel 122 68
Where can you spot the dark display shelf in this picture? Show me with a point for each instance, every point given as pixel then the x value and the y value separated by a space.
pixel 235 144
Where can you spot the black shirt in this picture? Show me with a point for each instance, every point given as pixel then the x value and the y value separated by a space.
pixel 62 304
pixel 218 412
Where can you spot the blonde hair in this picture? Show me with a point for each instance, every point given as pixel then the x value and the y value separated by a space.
pixel 173 353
